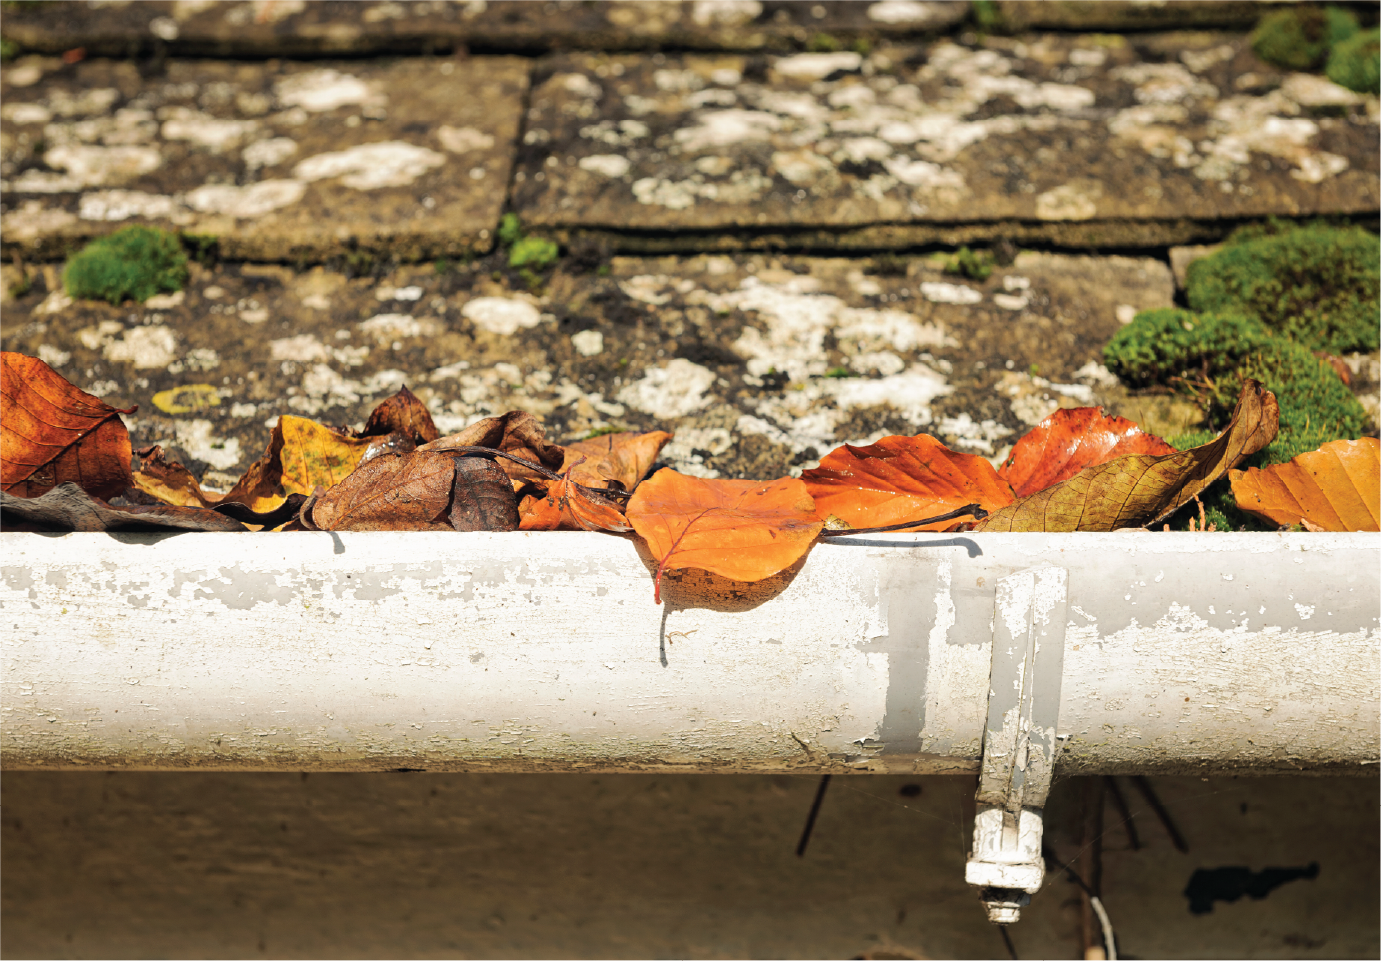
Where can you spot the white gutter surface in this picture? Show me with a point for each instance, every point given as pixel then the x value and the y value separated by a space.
pixel 1183 653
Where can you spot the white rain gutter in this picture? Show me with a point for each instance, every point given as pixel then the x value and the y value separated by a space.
pixel 1252 653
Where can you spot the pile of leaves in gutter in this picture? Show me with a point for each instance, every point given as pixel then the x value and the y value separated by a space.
pixel 66 464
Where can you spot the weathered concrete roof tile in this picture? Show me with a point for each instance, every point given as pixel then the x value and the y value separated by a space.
pixel 293 28
pixel 279 161
pixel 759 364
pixel 1029 136
pixel 1126 14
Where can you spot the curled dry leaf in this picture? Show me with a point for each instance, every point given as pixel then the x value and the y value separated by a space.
pixel 742 529
pixel 69 508
pixel 1068 441
pixel 52 433
pixel 403 413
pixel 168 481
pixel 301 456
pixel 1141 489
pixel 900 479
pixel 625 457
pixel 568 505
pixel 418 491
pixel 1334 488
pixel 516 432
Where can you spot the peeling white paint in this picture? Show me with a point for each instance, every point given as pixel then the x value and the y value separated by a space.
pixel 91 166
pixel 817 66
pixel 203 129
pixel 588 343
pixel 943 293
pixel 115 205
pixel 268 153
pixel 384 328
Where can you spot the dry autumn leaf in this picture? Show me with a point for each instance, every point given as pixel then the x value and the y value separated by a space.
pixel 1068 441
pixel 52 433
pixel 516 432
pixel 625 457
pixel 417 491
pixel 403 413
pixel 301 456
pixel 567 504
pixel 69 508
pixel 1334 488
pixel 168 481
pixel 900 479
pixel 1141 489
pixel 742 529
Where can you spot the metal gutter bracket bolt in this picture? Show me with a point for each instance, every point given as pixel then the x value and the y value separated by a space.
pixel 1019 742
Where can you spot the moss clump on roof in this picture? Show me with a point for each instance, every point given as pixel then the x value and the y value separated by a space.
pixel 537 253
pixel 1299 38
pixel 1317 285
pixel 1355 63
pixel 134 263
pixel 1208 356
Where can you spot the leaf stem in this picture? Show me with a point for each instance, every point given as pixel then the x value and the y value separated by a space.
pixel 968 510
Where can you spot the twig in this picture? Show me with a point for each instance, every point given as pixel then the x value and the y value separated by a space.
pixel 1122 809
pixel 810 818
pixel 968 510
pixel 1149 793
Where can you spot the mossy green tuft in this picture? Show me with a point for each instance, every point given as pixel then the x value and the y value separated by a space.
pixel 1208 356
pixel 1355 63
pixel 1299 38
pixel 536 253
pixel 134 263
pixel 1316 284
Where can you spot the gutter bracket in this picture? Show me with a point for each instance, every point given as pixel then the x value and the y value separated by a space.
pixel 1019 740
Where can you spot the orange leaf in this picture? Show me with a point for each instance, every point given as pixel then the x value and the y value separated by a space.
pixel 1141 489
pixel 572 507
pixel 51 433
pixel 1334 488
pixel 1068 441
pixel 301 456
pixel 742 529
pixel 623 457
pixel 901 478
pixel 539 512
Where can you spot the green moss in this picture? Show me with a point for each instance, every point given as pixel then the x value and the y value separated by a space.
pixel 837 373
pixel 536 253
pixel 1208 356
pixel 8 50
pixel 1355 63
pixel 132 263
pixel 975 265
pixel 510 230
pixel 1298 38
pixel 987 17
pixel 823 43
pixel 1318 285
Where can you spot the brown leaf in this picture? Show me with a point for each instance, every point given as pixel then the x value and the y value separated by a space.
pixel 1334 488
pixel 1068 441
pixel 168 481
pixel 900 479
pixel 419 491
pixel 1141 489
pixel 742 529
pixel 69 508
pixel 301 455
pixel 624 457
pixel 52 433
pixel 403 413
pixel 516 432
